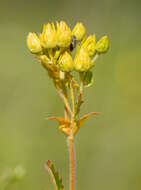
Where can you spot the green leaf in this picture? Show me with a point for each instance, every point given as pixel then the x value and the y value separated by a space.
pixel 57 181
pixel 88 79
pixel 81 121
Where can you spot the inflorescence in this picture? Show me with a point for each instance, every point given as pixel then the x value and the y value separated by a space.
pixel 62 52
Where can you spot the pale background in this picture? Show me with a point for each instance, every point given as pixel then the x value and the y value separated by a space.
pixel 108 146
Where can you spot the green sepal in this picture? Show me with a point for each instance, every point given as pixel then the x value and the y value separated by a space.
pixel 88 79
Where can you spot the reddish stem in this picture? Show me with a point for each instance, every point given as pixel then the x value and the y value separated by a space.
pixel 72 161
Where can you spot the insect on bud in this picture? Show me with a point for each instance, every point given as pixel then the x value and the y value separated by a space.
pixel 33 43
pixel 66 62
pixel 73 43
pixel 79 31
pixel 102 45
pixel 49 36
pixel 64 35
pixel 90 44
pixel 82 60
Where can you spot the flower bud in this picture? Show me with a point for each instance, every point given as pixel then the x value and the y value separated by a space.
pixel 33 43
pixel 82 60
pixel 66 62
pixel 102 45
pixel 90 44
pixel 79 31
pixel 48 37
pixel 64 35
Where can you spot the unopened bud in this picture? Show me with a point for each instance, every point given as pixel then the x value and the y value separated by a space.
pixel 66 62
pixel 82 60
pixel 90 44
pixel 102 45
pixel 33 43
pixel 79 31
pixel 64 35
pixel 49 36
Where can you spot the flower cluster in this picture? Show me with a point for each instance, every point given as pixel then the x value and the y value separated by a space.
pixel 62 51
pixel 57 44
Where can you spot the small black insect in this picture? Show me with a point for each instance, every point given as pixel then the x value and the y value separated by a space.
pixel 73 42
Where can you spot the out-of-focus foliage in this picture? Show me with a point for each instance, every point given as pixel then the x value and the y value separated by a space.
pixel 11 176
pixel 109 144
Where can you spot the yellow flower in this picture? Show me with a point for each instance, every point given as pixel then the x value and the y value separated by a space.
pixel 82 60
pixel 33 43
pixel 65 62
pixel 79 31
pixel 102 45
pixel 90 44
pixel 49 36
pixel 64 35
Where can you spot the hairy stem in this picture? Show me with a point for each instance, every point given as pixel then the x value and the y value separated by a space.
pixel 65 101
pixel 72 161
pixel 81 83
pixel 66 111
pixel 72 96
pixel 95 58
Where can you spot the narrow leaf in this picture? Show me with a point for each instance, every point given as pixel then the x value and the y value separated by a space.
pixel 57 181
pixel 61 120
pixel 81 121
pixel 64 124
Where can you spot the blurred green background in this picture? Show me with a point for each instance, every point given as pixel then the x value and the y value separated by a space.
pixel 109 146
